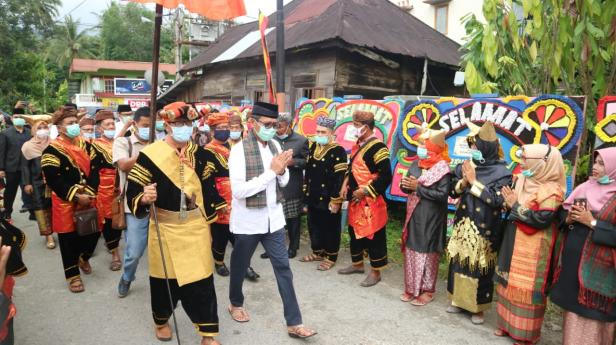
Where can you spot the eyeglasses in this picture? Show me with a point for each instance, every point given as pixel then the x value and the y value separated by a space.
pixel 519 153
pixel 267 125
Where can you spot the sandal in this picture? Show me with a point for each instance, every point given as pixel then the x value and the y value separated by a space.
pixel 300 332
pixel 423 299
pixel 51 244
pixel 85 266
pixel 499 333
pixel 116 265
pixel 326 265
pixel 76 285
pixel 406 297
pixel 238 314
pixel 209 341
pixel 311 257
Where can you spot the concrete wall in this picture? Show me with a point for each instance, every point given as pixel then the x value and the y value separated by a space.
pixel 456 10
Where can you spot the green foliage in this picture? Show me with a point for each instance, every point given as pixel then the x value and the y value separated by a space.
pixel 69 43
pixel 126 31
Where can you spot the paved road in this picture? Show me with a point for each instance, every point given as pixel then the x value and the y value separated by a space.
pixel 341 310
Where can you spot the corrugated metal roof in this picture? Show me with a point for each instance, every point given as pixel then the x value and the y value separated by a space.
pixel 374 24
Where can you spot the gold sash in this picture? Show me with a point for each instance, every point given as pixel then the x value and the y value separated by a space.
pixel 187 247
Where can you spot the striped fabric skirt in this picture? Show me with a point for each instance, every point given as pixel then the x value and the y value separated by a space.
pixel 520 321
pixel 292 208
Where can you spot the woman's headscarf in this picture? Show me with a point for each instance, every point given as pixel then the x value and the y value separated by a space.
pixel 595 193
pixel 548 178
pixel 34 147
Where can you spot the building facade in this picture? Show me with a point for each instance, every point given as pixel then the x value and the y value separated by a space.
pixel 106 84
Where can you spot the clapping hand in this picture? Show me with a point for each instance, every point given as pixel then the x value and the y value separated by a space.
pixel 468 172
pixel 509 195
pixel 409 183
pixel 281 161
pixel 581 215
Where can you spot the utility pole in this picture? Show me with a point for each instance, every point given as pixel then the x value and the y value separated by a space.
pixel 178 23
pixel 280 55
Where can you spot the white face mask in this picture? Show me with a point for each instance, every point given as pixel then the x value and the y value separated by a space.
pixel 356 132
pixel 42 133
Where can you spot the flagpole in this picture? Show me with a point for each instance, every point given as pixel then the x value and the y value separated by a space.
pixel 158 20
pixel 280 57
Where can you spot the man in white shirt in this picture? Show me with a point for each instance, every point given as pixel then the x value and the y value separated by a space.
pixel 257 170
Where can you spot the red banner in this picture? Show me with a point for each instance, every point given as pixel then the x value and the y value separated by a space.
pixel 263 21
pixel 212 9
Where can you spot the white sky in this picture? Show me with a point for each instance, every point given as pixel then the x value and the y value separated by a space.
pixel 86 10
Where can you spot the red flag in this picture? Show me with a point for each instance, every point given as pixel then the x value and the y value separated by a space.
pixel 212 9
pixel 263 21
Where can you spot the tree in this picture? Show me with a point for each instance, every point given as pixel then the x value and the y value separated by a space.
pixel 555 46
pixel 69 43
pixel 558 46
pixel 126 31
pixel 24 26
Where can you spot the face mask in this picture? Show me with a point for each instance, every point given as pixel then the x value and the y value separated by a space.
pixel 204 128
pixel 356 133
pixel 528 173
pixel 160 126
pixel 72 131
pixel 126 119
pixel 604 180
pixel 143 133
pixel 235 135
pixel 42 133
pixel 182 134
pixel 19 122
pixel 266 134
pixel 88 135
pixel 222 134
pixel 422 152
pixel 282 137
pixel 109 133
pixel 321 139
pixel 476 155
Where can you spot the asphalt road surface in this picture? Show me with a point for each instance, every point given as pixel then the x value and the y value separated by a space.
pixel 341 310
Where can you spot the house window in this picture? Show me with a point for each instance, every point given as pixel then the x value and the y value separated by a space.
pixel 258 96
pixel 109 85
pixel 440 19
pixel 313 93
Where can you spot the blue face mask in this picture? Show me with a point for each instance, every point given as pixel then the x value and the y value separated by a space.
pixel 604 180
pixel 282 137
pixel 235 135
pixel 266 134
pixel 143 133
pixel 19 122
pixel 528 173
pixel 109 133
pixel 476 155
pixel 86 135
pixel 72 131
pixel 182 134
pixel 160 126
pixel 204 128
pixel 321 139
pixel 422 152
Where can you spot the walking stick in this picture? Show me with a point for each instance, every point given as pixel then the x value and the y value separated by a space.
pixel 162 256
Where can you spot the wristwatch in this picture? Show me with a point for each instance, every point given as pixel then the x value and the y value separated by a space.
pixel 593 223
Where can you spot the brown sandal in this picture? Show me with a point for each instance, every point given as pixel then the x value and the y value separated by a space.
pixel 239 314
pixel 116 265
pixel 326 265
pixel 76 285
pixel 209 341
pixel 300 332
pixel 85 266
pixel 311 258
pixel 406 297
pixel 423 299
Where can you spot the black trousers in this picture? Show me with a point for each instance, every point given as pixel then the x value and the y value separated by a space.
pixel 220 237
pixel 376 248
pixel 324 229
pixel 112 236
pixel 13 181
pixel 293 231
pixel 74 247
pixel 198 300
